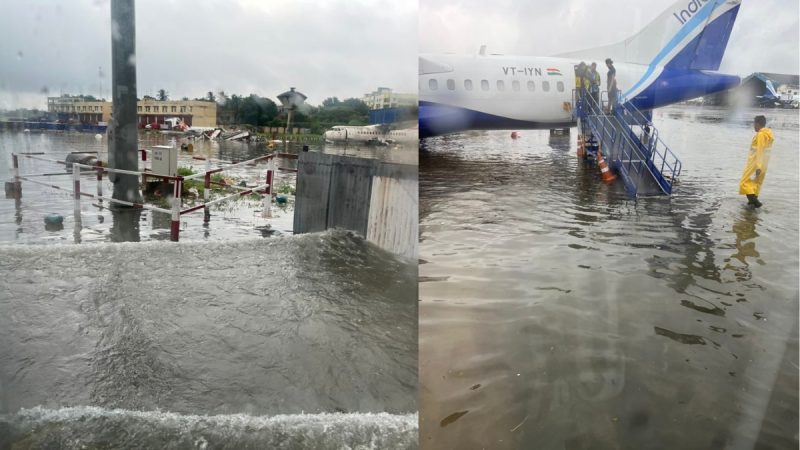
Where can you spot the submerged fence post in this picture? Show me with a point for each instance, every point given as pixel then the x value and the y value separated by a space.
pixel 76 186
pixel 16 185
pixel 270 179
pixel 175 225
pixel 99 169
pixel 122 137
pixel 207 192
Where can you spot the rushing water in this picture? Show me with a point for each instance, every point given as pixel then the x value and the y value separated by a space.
pixel 556 313
pixel 300 341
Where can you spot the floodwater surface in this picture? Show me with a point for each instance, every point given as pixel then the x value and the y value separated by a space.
pixel 23 220
pixel 222 340
pixel 557 313
pixel 286 342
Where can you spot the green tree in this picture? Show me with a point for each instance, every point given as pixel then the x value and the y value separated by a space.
pixel 163 95
pixel 330 101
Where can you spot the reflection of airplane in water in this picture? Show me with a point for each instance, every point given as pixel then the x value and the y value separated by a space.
pixel 371 134
pixel 669 61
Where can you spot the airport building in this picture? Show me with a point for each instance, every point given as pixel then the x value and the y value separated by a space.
pixel 384 98
pixel 88 110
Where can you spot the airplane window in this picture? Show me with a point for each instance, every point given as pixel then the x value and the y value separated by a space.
pixel 484 85
pixel 531 86
pixel 501 85
pixel 560 86
pixel 468 85
pixel 433 84
pixel 546 86
pixel 515 85
pixel 451 85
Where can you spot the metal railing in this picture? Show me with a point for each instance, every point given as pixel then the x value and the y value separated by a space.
pixel 663 159
pixel 75 169
pixel 633 152
pixel 616 142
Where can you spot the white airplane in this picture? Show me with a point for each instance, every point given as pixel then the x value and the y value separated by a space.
pixel 672 59
pixel 371 134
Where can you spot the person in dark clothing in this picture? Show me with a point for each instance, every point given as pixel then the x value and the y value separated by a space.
pixel 611 84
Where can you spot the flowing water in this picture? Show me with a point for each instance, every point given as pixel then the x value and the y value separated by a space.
pixel 291 342
pixel 557 313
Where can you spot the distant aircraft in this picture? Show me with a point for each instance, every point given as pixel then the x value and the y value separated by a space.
pixel 370 134
pixel 672 59
pixel 772 99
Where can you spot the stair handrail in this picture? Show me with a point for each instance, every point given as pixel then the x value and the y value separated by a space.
pixel 654 140
pixel 612 138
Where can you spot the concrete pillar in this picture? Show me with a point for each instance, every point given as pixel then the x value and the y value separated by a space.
pixel 122 136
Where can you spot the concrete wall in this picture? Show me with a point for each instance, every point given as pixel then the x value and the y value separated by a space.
pixel 376 199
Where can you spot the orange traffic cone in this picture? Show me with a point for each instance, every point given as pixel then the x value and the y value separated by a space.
pixel 605 172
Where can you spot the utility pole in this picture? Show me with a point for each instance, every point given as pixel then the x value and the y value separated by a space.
pixel 122 136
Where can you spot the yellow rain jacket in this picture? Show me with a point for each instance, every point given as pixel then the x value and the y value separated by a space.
pixel 756 160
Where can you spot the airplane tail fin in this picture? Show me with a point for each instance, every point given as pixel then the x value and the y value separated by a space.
pixel 690 34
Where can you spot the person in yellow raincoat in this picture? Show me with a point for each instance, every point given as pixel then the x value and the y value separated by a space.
pixel 757 160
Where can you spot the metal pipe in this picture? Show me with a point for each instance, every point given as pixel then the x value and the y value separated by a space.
pixel 122 136
pixel 224 199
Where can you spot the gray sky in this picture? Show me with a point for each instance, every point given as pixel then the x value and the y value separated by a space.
pixel 325 48
pixel 764 38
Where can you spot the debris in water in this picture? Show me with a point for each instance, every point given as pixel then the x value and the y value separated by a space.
pixel 452 418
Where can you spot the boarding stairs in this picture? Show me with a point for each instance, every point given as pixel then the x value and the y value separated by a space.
pixel 629 141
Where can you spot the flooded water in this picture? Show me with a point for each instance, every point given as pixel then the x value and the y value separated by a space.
pixel 22 221
pixel 303 341
pixel 557 313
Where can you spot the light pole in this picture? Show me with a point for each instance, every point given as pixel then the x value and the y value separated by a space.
pixel 122 136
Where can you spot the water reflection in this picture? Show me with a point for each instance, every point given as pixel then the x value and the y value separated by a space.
pixel 559 141
pixel 76 233
pixel 555 313
pixel 125 224
pixel 745 229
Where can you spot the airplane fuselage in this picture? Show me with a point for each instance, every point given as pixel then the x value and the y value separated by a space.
pixel 461 92
pixel 369 134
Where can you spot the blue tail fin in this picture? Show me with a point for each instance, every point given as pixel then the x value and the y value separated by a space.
pixel 705 51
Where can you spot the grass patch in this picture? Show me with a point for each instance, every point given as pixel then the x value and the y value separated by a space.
pixel 199 184
pixel 285 188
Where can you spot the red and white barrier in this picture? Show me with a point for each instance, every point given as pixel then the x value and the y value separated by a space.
pixel 175 211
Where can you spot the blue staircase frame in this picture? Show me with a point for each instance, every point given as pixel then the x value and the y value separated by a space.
pixel 630 142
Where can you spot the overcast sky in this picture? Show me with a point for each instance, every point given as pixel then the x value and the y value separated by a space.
pixel 342 48
pixel 764 38
pixel 328 48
